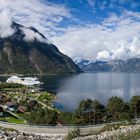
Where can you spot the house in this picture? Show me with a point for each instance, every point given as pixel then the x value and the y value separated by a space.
pixel 12 106
pixel 60 123
pixel 11 109
pixel 4 112
pixel 21 109
pixel 3 98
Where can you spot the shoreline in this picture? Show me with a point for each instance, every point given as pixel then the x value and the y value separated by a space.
pixel 3 75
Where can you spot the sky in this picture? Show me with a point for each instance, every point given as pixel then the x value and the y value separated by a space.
pixel 81 29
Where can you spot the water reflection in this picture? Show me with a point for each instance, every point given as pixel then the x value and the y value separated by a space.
pixel 100 86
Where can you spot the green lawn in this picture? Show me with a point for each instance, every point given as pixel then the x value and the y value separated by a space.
pixel 14 120
pixel 2 119
pixel 46 96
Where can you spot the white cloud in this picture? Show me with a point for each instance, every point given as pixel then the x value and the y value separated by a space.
pixel 40 14
pixel 102 4
pixel 103 55
pixel 118 37
pixel 31 35
pixel 5 25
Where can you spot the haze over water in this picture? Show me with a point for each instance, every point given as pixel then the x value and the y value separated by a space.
pixel 100 86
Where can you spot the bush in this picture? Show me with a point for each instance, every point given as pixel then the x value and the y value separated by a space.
pixel 73 134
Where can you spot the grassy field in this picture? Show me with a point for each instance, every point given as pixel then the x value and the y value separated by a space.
pixel 2 119
pixel 14 120
pixel 43 99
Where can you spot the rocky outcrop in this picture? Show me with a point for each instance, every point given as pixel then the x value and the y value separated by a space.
pixel 114 134
pixel 7 134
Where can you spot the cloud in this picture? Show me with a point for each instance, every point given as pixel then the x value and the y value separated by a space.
pixel 91 2
pixel 31 35
pixel 103 55
pixel 124 50
pixel 39 14
pixel 117 37
pixel 103 4
pixel 5 25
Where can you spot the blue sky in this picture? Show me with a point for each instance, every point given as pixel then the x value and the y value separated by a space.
pixel 95 11
pixel 82 29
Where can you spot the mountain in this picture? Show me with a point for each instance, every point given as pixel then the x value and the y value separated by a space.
pixel 82 63
pixel 87 65
pixel 130 65
pixel 27 51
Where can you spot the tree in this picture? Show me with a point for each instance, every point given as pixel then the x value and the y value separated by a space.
pixel 73 134
pixel 135 106
pixel 68 117
pixel 90 110
pixel 43 116
pixel 98 111
pixel 84 105
pixel 116 107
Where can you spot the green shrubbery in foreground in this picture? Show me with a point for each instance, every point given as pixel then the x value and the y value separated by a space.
pixel 92 112
pixel 89 112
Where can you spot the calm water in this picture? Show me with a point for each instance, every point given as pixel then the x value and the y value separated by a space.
pixel 101 86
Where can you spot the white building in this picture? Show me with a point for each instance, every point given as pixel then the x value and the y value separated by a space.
pixel 14 79
pixel 27 81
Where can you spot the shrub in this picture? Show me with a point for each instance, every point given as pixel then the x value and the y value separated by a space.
pixel 73 134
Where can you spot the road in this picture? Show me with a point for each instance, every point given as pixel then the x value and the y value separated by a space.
pixel 45 105
pixel 55 130
pixel 50 130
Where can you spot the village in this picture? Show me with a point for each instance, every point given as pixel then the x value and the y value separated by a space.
pixel 19 96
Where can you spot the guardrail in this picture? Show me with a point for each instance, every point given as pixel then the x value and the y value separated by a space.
pixel 63 126
pixel 54 130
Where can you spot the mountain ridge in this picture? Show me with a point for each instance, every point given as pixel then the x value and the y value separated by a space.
pixel 130 65
pixel 34 56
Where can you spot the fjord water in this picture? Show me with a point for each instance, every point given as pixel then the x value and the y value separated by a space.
pixel 100 86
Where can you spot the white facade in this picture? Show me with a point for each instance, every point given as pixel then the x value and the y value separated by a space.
pixel 27 81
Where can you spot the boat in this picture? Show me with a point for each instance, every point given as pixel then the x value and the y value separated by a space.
pixel 27 81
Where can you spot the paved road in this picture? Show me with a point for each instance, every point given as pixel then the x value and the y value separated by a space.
pixel 50 130
pixel 54 130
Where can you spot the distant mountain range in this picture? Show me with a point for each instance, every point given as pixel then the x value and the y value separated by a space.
pixel 19 54
pixel 130 65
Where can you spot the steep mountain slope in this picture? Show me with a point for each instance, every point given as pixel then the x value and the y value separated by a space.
pixel 130 65
pixel 22 55
pixel 97 66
